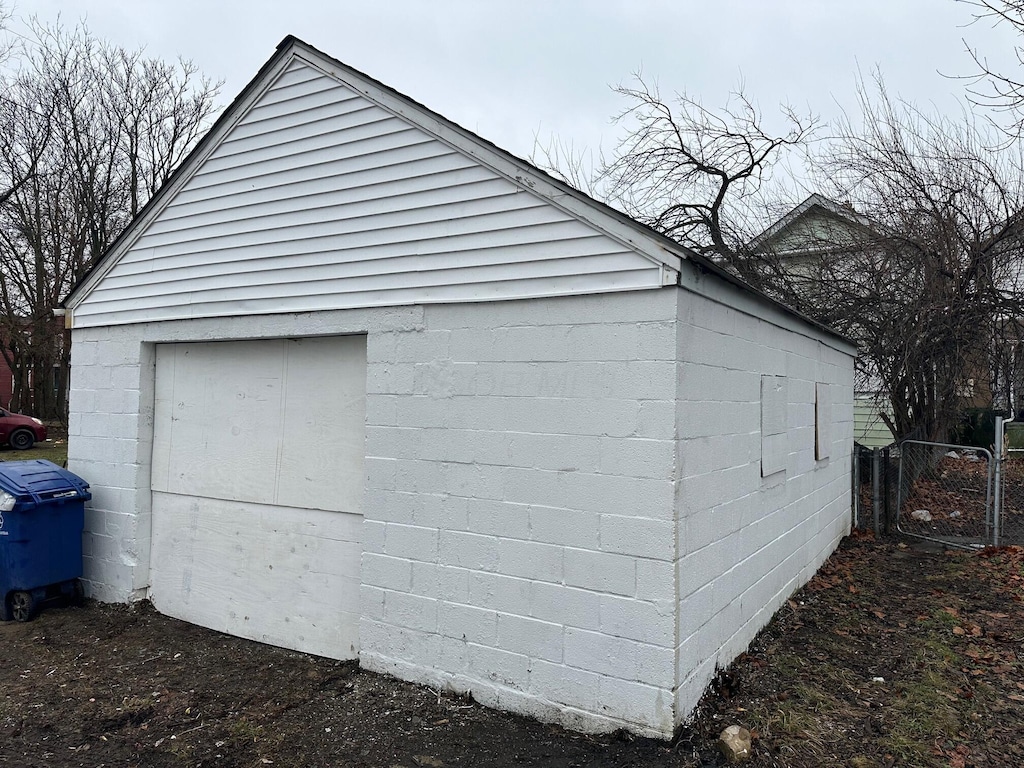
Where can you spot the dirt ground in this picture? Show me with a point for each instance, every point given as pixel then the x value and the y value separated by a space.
pixel 890 656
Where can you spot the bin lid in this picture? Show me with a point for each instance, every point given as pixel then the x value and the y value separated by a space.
pixel 40 480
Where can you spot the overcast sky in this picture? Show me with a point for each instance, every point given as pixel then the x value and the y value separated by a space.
pixel 510 70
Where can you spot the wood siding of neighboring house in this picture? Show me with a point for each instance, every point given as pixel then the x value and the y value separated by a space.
pixel 869 429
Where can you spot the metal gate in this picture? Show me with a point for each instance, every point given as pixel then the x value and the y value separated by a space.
pixel 962 496
pixel 946 494
pixel 1009 498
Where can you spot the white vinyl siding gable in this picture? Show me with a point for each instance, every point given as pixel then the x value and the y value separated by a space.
pixel 320 199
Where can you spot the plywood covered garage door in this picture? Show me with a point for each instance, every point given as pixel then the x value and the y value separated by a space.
pixel 257 485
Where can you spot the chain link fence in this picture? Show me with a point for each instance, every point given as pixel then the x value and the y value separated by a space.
pixel 960 496
pixel 946 493
pixel 877 486
pixel 1011 510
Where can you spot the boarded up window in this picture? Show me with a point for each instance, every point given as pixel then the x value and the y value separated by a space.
pixel 822 421
pixel 774 443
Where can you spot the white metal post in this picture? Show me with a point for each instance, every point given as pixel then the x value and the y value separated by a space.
pixel 855 487
pixel 997 496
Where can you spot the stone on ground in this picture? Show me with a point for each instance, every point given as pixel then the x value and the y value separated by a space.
pixel 734 743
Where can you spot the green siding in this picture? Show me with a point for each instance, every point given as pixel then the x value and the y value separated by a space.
pixel 868 428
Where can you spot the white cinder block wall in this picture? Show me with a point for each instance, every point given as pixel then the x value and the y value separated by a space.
pixel 746 541
pixel 563 507
pixel 519 513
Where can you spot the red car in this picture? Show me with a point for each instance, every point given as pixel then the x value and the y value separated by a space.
pixel 20 432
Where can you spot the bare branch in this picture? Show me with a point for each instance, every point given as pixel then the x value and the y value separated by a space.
pixel 91 132
pixel 998 89
pixel 680 167
pixel 921 264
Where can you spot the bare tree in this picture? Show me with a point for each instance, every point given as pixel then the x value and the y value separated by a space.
pixel 682 168
pixel 99 129
pixel 686 170
pixel 921 267
pixel 6 44
pixel 925 269
pixel 27 127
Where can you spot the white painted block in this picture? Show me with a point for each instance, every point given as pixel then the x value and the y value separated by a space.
pixel 566 527
pixel 654 579
pixel 638 536
pixel 496 518
pixel 530 559
pixel 468 623
pixel 468 550
pixel 414 612
pixel 371 602
pixel 453 584
pixel 637 703
pixel 560 604
pixel 600 571
pixel 501 593
pixel 638 457
pixel 499 665
pixel 636 619
pixel 656 419
pixel 411 542
pixel 556 682
pixel 393 573
pixel 530 637
pixel 447 513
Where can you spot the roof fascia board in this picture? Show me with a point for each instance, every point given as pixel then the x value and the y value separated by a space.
pixel 762 307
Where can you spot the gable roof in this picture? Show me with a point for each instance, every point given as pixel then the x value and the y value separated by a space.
pixel 659 250
pixel 814 204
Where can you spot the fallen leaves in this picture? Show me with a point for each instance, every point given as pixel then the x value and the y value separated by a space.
pixel 931 626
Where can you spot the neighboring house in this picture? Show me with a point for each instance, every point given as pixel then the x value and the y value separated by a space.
pixel 357 382
pixel 814 225
pixel 6 384
pixel 22 399
pixel 815 229
pixel 820 229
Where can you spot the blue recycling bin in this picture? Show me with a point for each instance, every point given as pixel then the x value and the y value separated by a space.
pixel 42 513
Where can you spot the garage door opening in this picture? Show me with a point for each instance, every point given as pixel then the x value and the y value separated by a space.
pixel 257 481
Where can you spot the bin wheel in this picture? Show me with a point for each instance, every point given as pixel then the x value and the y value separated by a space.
pixel 22 606
pixel 77 593
pixel 21 440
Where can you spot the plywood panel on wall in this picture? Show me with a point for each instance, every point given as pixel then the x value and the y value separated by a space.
pixel 279 575
pixel 273 422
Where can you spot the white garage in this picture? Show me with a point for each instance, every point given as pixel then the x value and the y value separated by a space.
pixel 356 381
pixel 257 488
